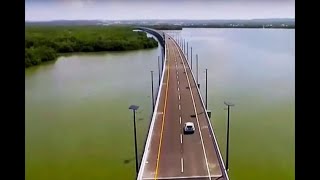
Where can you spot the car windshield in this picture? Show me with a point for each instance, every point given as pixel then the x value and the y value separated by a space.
pixel 189 127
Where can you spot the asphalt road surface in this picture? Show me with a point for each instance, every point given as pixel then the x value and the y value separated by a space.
pixel 173 154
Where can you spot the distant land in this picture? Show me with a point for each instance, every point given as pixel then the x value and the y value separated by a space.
pixel 176 24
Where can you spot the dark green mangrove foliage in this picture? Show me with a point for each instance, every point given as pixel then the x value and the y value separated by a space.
pixel 44 43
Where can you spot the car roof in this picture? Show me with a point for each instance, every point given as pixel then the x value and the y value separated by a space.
pixel 189 123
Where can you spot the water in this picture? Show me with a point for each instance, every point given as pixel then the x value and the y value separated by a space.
pixel 78 125
pixel 254 69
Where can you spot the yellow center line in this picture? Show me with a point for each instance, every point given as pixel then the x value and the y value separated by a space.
pixel 163 118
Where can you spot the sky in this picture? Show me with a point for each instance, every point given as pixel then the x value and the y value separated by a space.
pixel 45 10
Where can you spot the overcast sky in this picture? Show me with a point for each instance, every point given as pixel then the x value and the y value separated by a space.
pixel 42 10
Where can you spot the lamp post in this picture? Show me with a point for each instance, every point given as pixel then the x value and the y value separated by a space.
pixel 191 58
pixel 162 60
pixel 134 108
pixel 159 69
pixel 227 153
pixel 184 46
pixel 187 51
pixel 197 71
pixel 206 89
pixel 152 94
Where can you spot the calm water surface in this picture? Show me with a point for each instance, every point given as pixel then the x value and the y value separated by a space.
pixel 78 125
pixel 254 69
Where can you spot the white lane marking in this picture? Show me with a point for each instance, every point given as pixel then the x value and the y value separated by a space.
pixel 179 107
pixel 181 138
pixel 177 77
pixel 179 97
pixel 185 177
pixel 178 89
pixel 177 72
pixel 195 110
pixel 178 82
pixel 180 119
pixel 181 164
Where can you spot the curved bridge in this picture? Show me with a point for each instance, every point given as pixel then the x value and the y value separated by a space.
pixel 168 152
pixel 159 35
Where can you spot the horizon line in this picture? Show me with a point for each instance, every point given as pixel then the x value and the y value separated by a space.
pixel 153 19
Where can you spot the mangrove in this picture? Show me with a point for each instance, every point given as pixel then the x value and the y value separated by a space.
pixel 46 43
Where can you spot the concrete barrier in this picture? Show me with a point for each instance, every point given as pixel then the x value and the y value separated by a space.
pixel 154 114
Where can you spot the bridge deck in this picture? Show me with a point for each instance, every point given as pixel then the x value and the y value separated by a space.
pixel 173 155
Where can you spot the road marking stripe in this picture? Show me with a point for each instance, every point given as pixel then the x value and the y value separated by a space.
pixel 163 119
pixel 179 97
pixel 195 110
pixel 178 82
pixel 181 164
pixel 177 77
pixel 178 89
pixel 180 119
pixel 179 107
pixel 181 138
pixel 185 177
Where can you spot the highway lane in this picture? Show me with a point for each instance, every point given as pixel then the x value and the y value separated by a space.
pixel 173 155
pixel 211 150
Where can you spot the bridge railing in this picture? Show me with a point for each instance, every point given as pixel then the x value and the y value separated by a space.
pixel 157 34
pixel 154 114
pixel 160 38
pixel 224 172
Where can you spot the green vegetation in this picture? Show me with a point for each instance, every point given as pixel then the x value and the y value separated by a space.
pixel 165 27
pixel 45 43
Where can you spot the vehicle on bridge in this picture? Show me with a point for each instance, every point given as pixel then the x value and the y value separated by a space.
pixel 189 128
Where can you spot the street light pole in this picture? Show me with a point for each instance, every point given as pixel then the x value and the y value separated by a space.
pixel 197 69
pixel 152 90
pixel 206 89
pixel 134 108
pixel 162 60
pixel 187 50
pixel 228 125
pixel 159 69
pixel 184 46
pixel 191 58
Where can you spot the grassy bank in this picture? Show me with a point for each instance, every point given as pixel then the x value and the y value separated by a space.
pixel 45 43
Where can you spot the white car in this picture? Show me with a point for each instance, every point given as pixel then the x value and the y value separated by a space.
pixel 188 128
